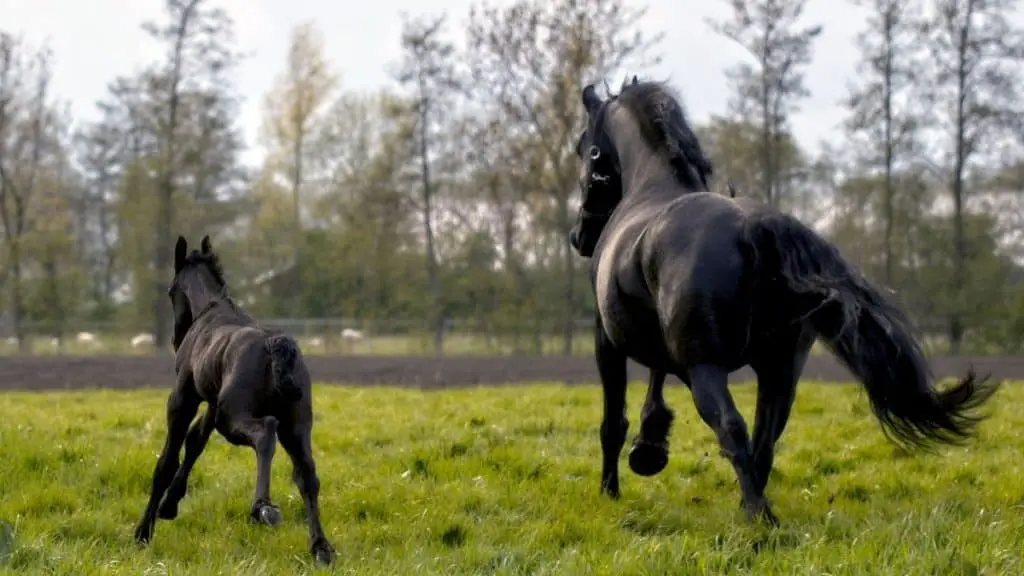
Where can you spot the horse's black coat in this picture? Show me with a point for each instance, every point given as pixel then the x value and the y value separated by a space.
pixel 698 285
pixel 257 389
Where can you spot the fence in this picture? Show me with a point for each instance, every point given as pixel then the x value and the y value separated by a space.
pixel 346 336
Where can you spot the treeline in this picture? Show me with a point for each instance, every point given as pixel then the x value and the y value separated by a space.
pixel 447 197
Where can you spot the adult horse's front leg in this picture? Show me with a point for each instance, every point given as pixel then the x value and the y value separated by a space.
pixel 611 365
pixel 710 387
pixel 649 454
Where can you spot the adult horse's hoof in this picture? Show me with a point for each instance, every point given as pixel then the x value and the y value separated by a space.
pixel 323 551
pixel 268 514
pixel 646 459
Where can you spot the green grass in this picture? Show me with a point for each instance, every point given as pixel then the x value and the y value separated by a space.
pixel 505 481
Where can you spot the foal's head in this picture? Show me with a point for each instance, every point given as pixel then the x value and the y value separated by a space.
pixel 198 279
pixel 659 131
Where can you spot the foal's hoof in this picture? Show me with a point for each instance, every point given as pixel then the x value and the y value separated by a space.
pixel 762 511
pixel 143 533
pixel 323 551
pixel 267 514
pixel 168 510
pixel 647 459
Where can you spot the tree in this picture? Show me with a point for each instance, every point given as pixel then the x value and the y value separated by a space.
pixel 26 145
pixel 531 59
pixel 882 119
pixel 768 91
pixel 293 108
pixel 974 88
pixel 427 72
pixel 198 42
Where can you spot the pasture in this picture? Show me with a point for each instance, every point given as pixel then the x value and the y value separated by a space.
pixel 504 480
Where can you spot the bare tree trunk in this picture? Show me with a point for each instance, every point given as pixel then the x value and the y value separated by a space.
pixel 165 204
pixel 956 326
pixel 433 278
pixel 570 275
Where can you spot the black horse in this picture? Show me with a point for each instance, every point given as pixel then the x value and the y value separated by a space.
pixel 257 389
pixel 698 285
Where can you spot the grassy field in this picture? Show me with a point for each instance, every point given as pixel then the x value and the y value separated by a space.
pixel 505 481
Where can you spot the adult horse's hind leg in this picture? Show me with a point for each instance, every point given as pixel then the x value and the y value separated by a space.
pixel 195 442
pixel 611 365
pixel 709 385
pixel 296 440
pixel 261 435
pixel 778 369
pixel 182 406
pixel 649 454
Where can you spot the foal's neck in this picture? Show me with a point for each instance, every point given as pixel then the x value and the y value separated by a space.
pixel 200 297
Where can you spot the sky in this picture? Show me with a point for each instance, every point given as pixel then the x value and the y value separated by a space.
pixel 96 40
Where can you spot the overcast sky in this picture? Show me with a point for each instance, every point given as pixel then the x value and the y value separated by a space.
pixel 96 40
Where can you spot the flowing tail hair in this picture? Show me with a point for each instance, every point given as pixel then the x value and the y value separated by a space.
pixel 284 352
pixel 869 335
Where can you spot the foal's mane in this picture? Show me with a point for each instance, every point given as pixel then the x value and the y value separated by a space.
pixel 665 127
pixel 212 263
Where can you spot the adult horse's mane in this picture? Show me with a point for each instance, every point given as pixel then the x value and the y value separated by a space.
pixel 665 127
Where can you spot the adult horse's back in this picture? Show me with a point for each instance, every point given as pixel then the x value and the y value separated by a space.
pixel 698 285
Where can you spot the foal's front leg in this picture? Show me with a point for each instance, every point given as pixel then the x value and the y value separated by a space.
pixel 195 442
pixel 611 365
pixel 649 454
pixel 182 406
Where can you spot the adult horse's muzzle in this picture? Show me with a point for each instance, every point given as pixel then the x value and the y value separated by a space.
pixel 585 233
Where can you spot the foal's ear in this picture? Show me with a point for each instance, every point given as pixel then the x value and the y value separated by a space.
pixel 635 81
pixel 591 101
pixel 180 253
pixel 204 246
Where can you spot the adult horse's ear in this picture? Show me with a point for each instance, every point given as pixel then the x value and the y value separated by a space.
pixel 591 101
pixel 635 81
pixel 180 254
pixel 204 246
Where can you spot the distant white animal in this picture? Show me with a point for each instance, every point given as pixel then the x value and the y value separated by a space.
pixel 351 335
pixel 142 339
pixel 86 337
pixel 316 341
pixel 12 341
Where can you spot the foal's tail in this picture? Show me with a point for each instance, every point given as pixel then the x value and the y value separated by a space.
pixel 869 334
pixel 284 352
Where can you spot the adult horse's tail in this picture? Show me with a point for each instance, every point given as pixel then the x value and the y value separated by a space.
pixel 868 333
pixel 284 351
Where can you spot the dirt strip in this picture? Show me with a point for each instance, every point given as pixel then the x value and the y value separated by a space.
pixel 67 372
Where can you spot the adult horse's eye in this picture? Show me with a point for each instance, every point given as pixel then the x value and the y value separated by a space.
pixel 595 152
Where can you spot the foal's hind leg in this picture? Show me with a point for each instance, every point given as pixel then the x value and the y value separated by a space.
pixel 778 370
pixel 261 435
pixel 611 365
pixel 709 385
pixel 195 442
pixel 182 406
pixel 649 454
pixel 296 441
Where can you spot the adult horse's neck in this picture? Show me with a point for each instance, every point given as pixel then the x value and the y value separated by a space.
pixel 645 171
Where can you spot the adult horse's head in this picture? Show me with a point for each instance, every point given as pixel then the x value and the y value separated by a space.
pixel 635 135
pixel 198 279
